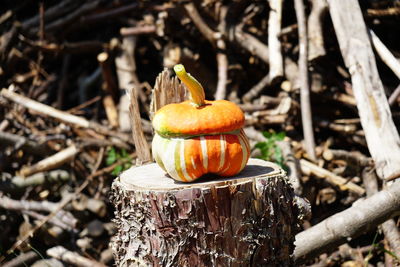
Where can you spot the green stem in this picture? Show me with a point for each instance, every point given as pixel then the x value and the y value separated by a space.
pixel 195 88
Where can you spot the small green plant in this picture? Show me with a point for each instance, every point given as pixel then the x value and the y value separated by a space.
pixel 379 246
pixel 114 156
pixel 269 148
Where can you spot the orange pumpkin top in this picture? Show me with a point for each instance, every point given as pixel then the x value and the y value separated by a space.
pixel 197 116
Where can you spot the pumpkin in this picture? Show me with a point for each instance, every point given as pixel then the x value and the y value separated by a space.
pixel 198 136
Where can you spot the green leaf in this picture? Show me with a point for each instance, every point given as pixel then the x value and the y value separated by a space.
pixel 111 157
pixel 269 148
pixel 260 145
pixel 117 170
pixel 267 134
pixel 280 136
pixel 279 157
pixel 124 154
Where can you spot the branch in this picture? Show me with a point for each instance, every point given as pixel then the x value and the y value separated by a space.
pixel 274 44
pixel 194 15
pixel 216 40
pixel 23 143
pixel 316 47
pixel 137 30
pixel 141 145
pixel 256 89
pixel 393 97
pixel 110 89
pixel 223 64
pixel 72 16
pixel 362 217
pixel 222 59
pixel 376 119
pixel 129 83
pixel 57 209
pixel 306 117
pixel 342 183
pixel 22 259
pixel 294 165
pixel 384 53
pixel 54 176
pixel 26 205
pixel 252 44
pixel 52 162
pixel 353 158
pixel 60 115
pixel 73 258
pixel 389 228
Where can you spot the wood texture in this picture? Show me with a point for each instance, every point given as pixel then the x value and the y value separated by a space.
pixel 166 90
pixel 305 102
pixel 315 23
pixel 376 119
pixel 274 44
pixel 246 220
pixel 362 217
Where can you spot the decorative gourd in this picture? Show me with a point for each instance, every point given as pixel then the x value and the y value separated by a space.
pixel 198 136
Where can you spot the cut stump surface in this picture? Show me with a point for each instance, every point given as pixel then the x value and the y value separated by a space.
pixel 246 220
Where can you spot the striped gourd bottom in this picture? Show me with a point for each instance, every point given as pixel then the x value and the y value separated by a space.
pixel 186 159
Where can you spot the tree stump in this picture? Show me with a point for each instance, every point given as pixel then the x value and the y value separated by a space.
pixel 247 220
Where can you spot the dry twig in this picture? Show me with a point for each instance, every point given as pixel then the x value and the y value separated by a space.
pixel 51 162
pixel 306 116
pixel 315 25
pixel 274 44
pixel 363 216
pixel 308 167
pixel 60 115
pixel 74 258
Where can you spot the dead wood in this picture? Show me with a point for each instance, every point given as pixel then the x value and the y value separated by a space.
pixel 363 216
pixel 385 54
pixel 294 167
pixel 20 142
pixel 256 89
pixel 66 217
pixel 342 183
pixel 315 23
pixel 394 96
pixel 274 44
pixel 354 158
pixel 215 38
pixel 22 259
pixel 166 90
pixel 51 162
pixel 306 116
pixel 110 89
pixel 141 145
pixel 61 95
pixel 389 228
pixel 74 258
pixel 41 178
pixel 373 107
pixel 60 115
pixel 129 85
pixel 137 30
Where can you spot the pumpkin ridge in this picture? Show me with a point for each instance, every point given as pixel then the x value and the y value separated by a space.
pixel 177 157
pixel 234 132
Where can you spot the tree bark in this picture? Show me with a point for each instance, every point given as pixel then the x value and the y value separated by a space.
pixel 247 220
